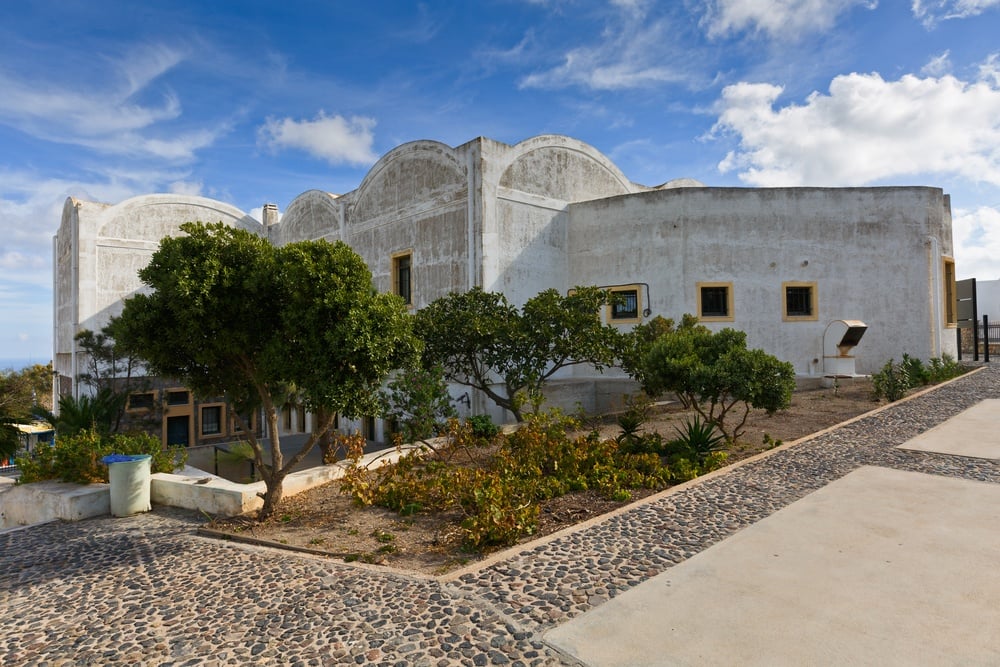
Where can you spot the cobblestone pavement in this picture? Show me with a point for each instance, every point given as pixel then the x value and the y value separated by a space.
pixel 146 590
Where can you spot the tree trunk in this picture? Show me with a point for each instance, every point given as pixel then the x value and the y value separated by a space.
pixel 325 441
pixel 274 476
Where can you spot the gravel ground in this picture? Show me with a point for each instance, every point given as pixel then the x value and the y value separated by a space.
pixel 146 590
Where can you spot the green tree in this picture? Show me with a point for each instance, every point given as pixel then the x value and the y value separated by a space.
pixel 111 372
pixel 23 394
pixel 482 341
pixel 229 314
pixel 715 372
pixel 417 398
pixel 635 344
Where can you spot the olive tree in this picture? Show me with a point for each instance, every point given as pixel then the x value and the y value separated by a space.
pixel 482 340
pixel 227 313
pixel 715 372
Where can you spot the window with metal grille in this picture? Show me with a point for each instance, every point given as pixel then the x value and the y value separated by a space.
pixel 798 301
pixel 715 301
pixel 625 305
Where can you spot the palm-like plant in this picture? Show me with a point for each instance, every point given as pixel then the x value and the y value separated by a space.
pixel 100 411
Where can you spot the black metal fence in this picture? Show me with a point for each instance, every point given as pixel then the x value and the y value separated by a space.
pixel 981 338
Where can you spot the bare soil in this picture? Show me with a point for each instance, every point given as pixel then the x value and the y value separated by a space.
pixel 324 520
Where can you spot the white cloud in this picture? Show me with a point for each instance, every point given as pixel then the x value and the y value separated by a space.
pixel 937 66
pixel 630 53
pixel 336 139
pixel 932 12
pixel 864 130
pixel 107 115
pixel 779 19
pixel 976 237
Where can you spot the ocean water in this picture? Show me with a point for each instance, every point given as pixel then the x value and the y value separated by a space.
pixel 19 363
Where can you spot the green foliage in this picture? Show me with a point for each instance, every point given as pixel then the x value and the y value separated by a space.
pixel 700 440
pixel 100 412
pixel 715 372
pixel 227 313
pixel 478 336
pixel 77 458
pixel 944 368
pixel 482 426
pixel 417 398
pixel 893 381
pixel 21 394
pixel 498 495
pixel 635 345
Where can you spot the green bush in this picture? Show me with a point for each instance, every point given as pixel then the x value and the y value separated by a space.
pixel 891 383
pixel 482 426
pixel 894 380
pixel 77 458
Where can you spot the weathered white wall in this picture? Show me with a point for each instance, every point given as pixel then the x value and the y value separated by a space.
pixel 875 254
pixel 526 189
pixel 99 250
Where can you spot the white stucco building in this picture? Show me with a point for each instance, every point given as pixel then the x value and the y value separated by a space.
pixel 551 211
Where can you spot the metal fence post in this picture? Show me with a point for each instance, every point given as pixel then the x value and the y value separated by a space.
pixel 986 338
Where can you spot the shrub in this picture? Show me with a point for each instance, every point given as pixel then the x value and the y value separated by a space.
pixel 890 383
pixel 944 368
pixel 498 495
pixel 894 380
pixel 715 372
pixel 482 426
pixel 77 458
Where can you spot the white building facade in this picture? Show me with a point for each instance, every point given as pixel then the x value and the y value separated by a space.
pixel 551 211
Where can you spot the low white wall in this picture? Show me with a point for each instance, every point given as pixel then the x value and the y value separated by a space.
pixel 26 504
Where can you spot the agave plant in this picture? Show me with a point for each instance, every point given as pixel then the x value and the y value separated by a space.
pixel 701 438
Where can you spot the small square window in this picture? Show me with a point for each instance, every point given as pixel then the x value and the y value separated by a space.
pixel 625 305
pixel 402 280
pixel 800 301
pixel 211 420
pixel 715 302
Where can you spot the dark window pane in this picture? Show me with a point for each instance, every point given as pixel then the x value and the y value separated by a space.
pixel 715 302
pixel 403 278
pixel 211 421
pixel 141 401
pixel 177 398
pixel 625 306
pixel 798 301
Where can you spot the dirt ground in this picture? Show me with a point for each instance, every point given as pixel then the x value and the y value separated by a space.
pixel 323 520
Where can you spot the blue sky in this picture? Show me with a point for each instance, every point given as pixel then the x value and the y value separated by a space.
pixel 253 102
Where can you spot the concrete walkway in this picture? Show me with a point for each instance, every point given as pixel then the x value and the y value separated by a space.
pixel 843 549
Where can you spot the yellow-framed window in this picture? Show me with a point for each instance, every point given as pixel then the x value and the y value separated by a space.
pixel 626 305
pixel 950 293
pixel 402 276
pixel 715 301
pixel 799 301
